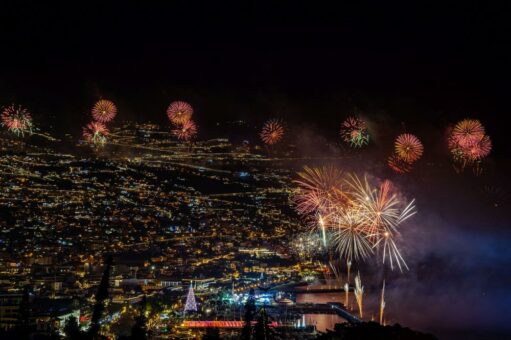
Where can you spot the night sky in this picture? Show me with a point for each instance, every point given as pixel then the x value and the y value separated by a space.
pixel 414 66
pixel 236 60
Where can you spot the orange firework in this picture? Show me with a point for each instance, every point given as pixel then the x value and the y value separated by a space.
pixel 408 147
pixel 96 133
pixel 186 131
pixel 467 132
pixel 272 132
pixel 104 111
pixel 179 112
pixel 320 190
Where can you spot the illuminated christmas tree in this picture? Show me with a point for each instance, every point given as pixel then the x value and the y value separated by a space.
pixel 190 305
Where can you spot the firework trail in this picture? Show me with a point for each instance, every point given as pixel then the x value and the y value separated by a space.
pixel 185 131
pixel 323 231
pixel 348 268
pixel 408 148
pixel 179 112
pixel 17 120
pixel 354 132
pixel 272 132
pixel 104 111
pixel 359 293
pixel 382 303
pixel 96 133
pixel 335 270
pixel 346 294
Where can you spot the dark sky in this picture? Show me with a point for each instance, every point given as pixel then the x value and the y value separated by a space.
pixel 238 59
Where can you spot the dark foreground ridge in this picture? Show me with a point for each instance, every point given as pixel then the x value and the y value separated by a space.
pixel 373 330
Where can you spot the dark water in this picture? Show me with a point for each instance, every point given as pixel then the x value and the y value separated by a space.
pixel 321 321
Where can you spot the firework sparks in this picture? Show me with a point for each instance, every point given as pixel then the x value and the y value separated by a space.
pixel 104 111
pixel 272 132
pixel 495 196
pixel 185 131
pixel 96 133
pixel 306 245
pixel 179 112
pixel 480 149
pixel 351 238
pixel 398 165
pixel 408 147
pixel 319 189
pixel 354 131
pixel 359 293
pixel 335 269
pixel 17 119
pixel 382 214
pixel 357 217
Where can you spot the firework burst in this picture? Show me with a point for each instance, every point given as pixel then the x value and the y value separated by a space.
pixel 467 132
pixel 383 214
pixel 96 133
pixel 104 111
pixel 354 131
pixel 469 145
pixel 378 207
pixel 17 119
pixel 185 131
pixel 408 147
pixel 351 237
pixel 320 190
pixel 272 132
pixel 179 112
pixel 358 219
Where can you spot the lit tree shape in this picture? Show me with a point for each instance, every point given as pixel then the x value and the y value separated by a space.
pixel 190 305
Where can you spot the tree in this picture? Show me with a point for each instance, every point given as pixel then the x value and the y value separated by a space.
pixel 101 297
pixel 250 309
pixel 262 330
pixel 139 329
pixel 211 334
pixel 190 305
pixel 23 324
pixel 72 329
